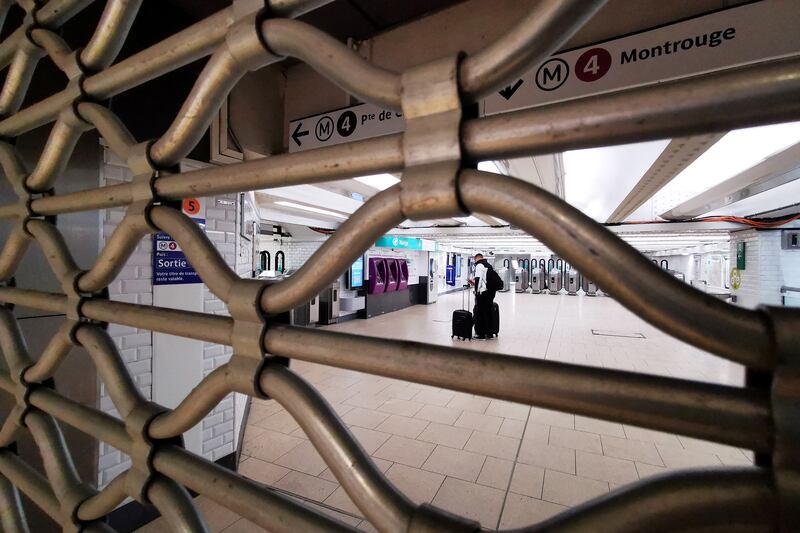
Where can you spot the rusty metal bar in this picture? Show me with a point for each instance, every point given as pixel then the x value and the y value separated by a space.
pixel 733 415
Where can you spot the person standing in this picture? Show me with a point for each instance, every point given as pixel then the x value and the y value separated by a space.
pixel 484 298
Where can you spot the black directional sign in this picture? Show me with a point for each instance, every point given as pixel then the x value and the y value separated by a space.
pixel 297 134
pixel 509 91
pixel 349 124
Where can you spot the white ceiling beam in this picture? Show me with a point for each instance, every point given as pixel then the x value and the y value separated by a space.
pixel 774 171
pixel 677 155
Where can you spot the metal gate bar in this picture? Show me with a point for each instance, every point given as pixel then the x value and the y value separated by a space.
pixel 436 154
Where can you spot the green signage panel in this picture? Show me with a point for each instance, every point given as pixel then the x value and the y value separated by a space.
pixel 740 255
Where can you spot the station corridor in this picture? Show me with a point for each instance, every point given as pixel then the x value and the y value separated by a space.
pixel 504 464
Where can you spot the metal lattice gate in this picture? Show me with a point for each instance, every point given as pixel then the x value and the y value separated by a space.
pixel 436 155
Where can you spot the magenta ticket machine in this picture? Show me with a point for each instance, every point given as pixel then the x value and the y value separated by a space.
pixel 377 275
pixel 393 272
pixel 402 281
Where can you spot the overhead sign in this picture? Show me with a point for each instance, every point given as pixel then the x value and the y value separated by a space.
pixel 343 125
pixel 170 265
pixel 406 243
pixel 737 36
pixel 732 37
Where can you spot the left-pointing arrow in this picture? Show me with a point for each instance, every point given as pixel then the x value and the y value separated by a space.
pixel 297 134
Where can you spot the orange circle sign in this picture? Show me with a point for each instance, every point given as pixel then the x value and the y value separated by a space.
pixel 191 206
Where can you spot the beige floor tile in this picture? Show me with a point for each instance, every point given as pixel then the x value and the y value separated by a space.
pixel 471 500
pixel 527 480
pixel 680 458
pixel 603 468
pixel 281 421
pixel 603 427
pixel 437 397
pixel 401 391
pixel 633 450
pixel 515 411
pixel 493 445
pixel 521 511
pixel 405 451
pixel 537 433
pixel 310 487
pixel 442 415
pixel 365 418
pixel 303 458
pixel 401 407
pixel 419 485
pixel 340 500
pixel 369 439
pixel 260 411
pixel 473 404
pixel 546 456
pixel 496 473
pixel 382 465
pixel 244 526
pixel 485 423
pixel 512 428
pixel 646 470
pixel 548 417
pixel 729 455
pixel 367 401
pixel 251 431
pixel 457 463
pixel 577 440
pixel 403 426
pixel 270 445
pixel 566 489
pixel 216 516
pixel 447 435
pixel 261 471
pixel 650 435
pixel 337 394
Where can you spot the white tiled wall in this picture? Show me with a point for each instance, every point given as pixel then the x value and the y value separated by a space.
pixel 767 267
pixel 134 285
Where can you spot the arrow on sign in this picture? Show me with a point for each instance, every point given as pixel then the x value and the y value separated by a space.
pixel 297 135
pixel 509 91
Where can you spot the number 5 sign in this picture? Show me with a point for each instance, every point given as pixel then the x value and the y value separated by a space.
pixel 194 207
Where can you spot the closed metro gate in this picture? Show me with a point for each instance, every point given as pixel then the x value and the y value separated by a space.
pixel 436 154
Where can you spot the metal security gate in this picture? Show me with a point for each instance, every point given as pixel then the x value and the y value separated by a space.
pixel 436 155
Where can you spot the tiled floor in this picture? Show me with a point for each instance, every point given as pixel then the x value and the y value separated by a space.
pixel 504 464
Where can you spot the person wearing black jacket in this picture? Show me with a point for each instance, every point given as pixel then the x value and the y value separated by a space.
pixel 484 298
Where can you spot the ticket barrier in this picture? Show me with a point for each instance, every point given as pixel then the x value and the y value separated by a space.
pixel 573 283
pixel 554 281
pixel 537 281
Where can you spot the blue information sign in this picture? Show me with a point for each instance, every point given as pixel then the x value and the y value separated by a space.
pixel 357 273
pixel 170 266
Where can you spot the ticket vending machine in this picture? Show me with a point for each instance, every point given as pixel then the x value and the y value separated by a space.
pixel 402 282
pixel 392 274
pixel 377 275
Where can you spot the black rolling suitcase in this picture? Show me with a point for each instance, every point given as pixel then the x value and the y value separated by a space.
pixel 494 326
pixel 462 320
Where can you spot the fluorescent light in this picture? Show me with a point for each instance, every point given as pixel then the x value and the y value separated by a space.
pixel 378 181
pixel 312 209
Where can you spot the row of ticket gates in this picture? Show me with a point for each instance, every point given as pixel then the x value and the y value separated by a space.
pixel 551 276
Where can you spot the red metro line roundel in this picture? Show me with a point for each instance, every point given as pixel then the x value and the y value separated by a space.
pixel 593 64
